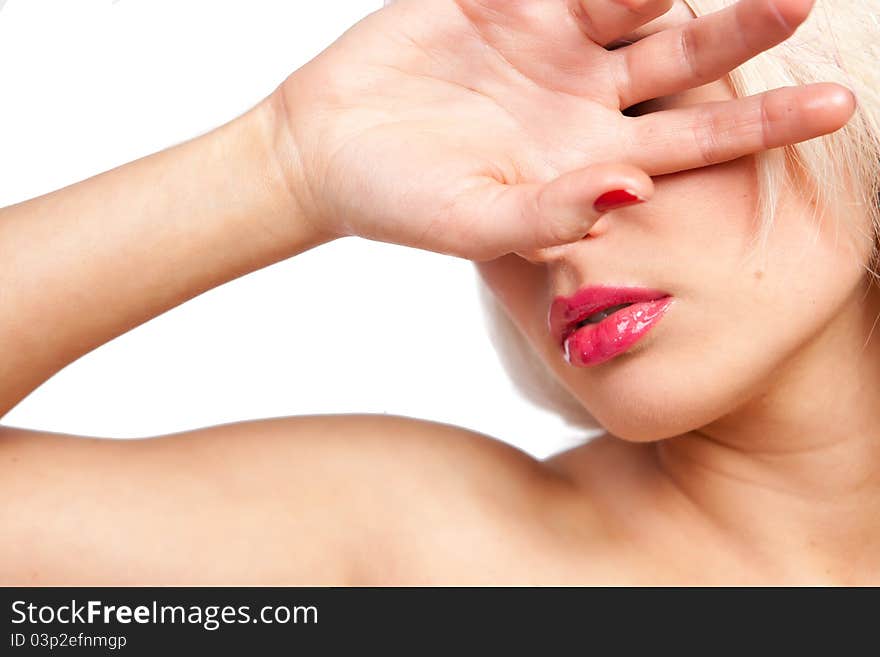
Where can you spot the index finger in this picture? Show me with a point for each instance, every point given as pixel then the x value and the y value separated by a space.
pixel 710 133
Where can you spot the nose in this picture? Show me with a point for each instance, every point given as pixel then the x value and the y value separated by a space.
pixel 554 253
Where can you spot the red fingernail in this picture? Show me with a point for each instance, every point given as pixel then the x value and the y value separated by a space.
pixel 619 198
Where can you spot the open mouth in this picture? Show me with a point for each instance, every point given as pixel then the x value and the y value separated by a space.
pixel 598 323
pixel 595 318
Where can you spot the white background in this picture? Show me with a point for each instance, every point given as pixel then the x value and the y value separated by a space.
pixel 353 326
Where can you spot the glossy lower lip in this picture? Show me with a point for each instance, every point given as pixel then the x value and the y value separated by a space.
pixel 597 343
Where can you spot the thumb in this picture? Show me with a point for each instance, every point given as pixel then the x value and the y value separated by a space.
pixel 538 215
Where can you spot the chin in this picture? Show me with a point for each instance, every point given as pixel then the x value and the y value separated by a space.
pixel 643 404
pixel 643 427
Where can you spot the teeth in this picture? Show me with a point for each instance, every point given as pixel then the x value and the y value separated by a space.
pixel 595 318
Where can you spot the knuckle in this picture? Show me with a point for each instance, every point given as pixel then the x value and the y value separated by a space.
pixel 559 229
pixel 688 52
pixel 553 227
pixel 771 15
pixel 765 121
pixel 709 133
pixel 563 232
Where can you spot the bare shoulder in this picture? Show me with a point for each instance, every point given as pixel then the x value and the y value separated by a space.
pixel 446 505
pixel 417 501
pixel 311 499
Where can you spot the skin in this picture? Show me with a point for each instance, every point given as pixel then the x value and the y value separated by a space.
pixel 500 113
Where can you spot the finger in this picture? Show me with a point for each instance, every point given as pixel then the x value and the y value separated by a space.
pixel 533 216
pixel 607 20
pixel 686 138
pixel 704 49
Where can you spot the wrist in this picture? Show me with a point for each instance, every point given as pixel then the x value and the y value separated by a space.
pixel 285 171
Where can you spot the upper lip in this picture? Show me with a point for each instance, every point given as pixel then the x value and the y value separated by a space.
pixel 567 311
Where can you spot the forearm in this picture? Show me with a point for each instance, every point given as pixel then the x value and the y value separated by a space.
pixel 87 263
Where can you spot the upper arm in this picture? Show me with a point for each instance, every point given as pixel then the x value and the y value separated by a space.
pixel 305 500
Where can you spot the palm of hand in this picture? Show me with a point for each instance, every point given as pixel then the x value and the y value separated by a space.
pixel 451 126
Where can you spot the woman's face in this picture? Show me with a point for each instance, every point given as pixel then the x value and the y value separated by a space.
pixel 738 320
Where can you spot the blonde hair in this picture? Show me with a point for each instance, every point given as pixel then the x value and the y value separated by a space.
pixel 837 43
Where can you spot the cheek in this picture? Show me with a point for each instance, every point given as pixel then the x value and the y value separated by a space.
pixel 762 300
pixel 521 287
pixel 802 282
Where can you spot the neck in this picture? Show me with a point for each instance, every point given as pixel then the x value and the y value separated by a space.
pixel 793 475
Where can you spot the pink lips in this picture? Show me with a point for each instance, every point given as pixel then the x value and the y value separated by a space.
pixel 598 342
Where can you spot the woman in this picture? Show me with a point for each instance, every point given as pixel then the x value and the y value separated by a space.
pixel 709 307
